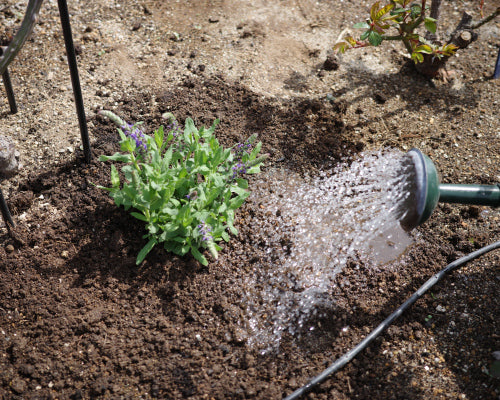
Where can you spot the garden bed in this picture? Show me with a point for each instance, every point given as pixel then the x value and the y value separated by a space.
pixel 78 318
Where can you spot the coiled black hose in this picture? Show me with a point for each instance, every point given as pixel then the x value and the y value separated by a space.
pixel 347 357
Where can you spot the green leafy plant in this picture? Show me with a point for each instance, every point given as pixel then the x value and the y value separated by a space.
pixel 183 184
pixel 404 18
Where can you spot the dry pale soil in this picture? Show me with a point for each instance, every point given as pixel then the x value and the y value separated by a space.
pixel 78 318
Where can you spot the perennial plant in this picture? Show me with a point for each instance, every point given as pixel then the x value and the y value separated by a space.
pixel 183 184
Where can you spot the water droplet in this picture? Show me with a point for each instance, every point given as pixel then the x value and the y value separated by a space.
pixel 350 213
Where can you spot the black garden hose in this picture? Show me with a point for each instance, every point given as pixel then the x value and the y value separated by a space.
pixel 347 357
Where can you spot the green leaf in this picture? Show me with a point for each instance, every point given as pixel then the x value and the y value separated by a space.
pixel 130 192
pixel 340 47
pixel 148 169
pixel 184 249
pixel 351 41
pixel 115 178
pixel 145 250
pixel 203 170
pixel 373 10
pixel 383 11
pixel 253 170
pixel 117 157
pixel 240 191
pixel 170 232
pixel 375 38
pixel 123 137
pixel 159 135
pixel 364 35
pixel 167 157
pixel 153 229
pixel 200 257
pixel 256 150
pixel 128 145
pixel 217 157
pixel 398 11
pixel 415 11
pixel 417 57
pixel 424 48
pixel 242 183
pixel 449 49
pixel 210 131
pixel 361 25
pixel 190 131
pixel 103 187
pixel 430 24
pixel 236 203
pixel 212 248
pixel 140 216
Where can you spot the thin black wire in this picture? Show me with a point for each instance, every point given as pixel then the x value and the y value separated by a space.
pixel 347 357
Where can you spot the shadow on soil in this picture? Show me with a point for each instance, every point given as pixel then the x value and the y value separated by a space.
pixel 416 92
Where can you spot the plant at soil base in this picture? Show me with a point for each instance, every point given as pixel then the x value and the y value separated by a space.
pixel 183 185
pixel 405 17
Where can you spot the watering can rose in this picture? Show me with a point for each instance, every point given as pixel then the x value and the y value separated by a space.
pixel 183 185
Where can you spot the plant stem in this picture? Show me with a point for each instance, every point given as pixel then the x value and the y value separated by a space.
pixel 435 8
pixel 434 13
pixel 394 37
pixel 410 28
pixel 407 44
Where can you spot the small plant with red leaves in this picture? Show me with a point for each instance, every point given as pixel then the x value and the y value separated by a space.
pixel 403 20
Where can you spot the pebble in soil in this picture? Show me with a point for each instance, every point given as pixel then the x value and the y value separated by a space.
pixel 323 222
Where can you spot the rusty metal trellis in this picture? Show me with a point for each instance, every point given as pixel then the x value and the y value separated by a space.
pixel 7 54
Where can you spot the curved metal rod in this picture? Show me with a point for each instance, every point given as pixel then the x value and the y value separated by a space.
pixel 8 86
pixel 4 209
pixel 22 35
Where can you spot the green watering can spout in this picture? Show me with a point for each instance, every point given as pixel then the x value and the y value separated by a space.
pixel 426 192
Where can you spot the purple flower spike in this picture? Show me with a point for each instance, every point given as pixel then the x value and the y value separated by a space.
pixel 241 149
pixel 174 128
pixel 137 135
pixel 205 231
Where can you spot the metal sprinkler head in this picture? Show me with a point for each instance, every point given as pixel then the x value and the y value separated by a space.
pixel 426 192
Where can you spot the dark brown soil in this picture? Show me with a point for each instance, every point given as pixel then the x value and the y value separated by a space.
pixel 78 318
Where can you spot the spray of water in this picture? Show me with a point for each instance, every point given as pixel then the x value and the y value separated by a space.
pixel 345 214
